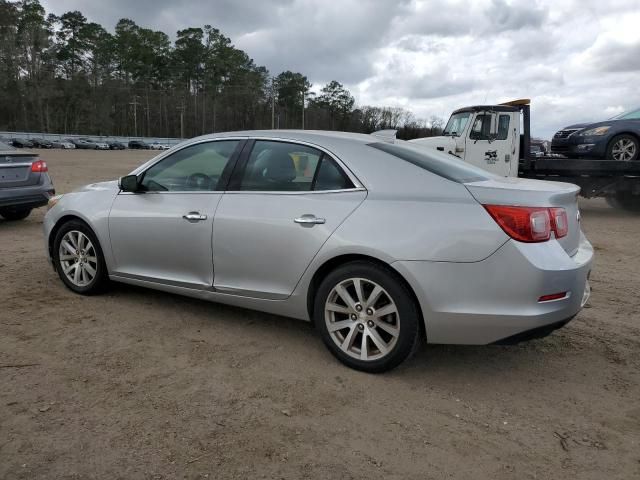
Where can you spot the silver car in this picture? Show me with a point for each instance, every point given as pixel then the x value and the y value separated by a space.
pixel 379 244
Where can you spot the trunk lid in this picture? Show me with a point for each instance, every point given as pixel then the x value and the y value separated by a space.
pixel 15 169
pixel 533 193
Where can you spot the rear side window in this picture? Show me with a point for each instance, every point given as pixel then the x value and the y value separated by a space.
pixel 275 166
pixel 441 164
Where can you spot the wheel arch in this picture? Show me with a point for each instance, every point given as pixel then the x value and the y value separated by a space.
pixel 58 225
pixel 632 133
pixel 331 264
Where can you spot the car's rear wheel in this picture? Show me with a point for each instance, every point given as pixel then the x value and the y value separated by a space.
pixel 624 148
pixel 15 213
pixel 78 258
pixel 367 317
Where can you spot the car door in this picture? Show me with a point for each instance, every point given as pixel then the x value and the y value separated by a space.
pixel 284 201
pixel 492 152
pixel 163 232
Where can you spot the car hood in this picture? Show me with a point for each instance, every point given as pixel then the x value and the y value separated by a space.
pixel 592 124
pixel 100 186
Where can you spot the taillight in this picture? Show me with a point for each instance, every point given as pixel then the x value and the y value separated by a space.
pixel 39 166
pixel 530 224
pixel 559 222
pixel 525 224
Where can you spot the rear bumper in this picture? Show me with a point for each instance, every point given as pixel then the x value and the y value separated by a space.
pixel 28 197
pixel 496 300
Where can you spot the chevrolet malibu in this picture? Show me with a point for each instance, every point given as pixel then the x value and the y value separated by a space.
pixel 378 244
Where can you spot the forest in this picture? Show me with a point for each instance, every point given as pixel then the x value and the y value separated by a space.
pixel 65 74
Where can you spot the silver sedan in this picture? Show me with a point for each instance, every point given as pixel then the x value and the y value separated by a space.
pixel 380 244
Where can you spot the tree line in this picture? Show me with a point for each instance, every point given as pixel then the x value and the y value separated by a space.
pixel 65 74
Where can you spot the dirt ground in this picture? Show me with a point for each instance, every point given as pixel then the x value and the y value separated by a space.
pixel 141 384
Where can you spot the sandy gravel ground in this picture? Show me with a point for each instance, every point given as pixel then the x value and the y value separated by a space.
pixel 140 384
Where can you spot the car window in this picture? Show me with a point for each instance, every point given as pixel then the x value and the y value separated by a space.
pixel 456 124
pixel 289 167
pixel 482 127
pixel 633 115
pixel 441 164
pixel 503 127
pixel 280 166
pixel 330 176
pixel 194 168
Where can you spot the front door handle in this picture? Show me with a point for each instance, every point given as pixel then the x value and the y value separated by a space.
pixel 194 217
pixel 309 220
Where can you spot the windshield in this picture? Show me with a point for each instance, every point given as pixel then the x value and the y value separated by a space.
pixel 456 123
pixel 632 115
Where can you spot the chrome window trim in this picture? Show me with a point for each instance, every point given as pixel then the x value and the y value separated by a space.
pixel 251 192
pixel 308 192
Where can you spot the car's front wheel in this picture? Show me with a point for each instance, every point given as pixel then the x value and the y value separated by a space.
pixel 78 258
pixel 367 317
pixel 14 213
pixel 624 147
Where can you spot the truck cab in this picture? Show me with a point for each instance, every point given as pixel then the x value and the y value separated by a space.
pixel 487 136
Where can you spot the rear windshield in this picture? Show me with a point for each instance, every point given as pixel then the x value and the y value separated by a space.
pixel 441 164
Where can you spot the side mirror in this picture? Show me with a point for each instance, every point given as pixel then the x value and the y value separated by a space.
pixel 129 183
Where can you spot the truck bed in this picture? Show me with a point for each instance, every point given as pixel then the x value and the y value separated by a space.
pixel 597 178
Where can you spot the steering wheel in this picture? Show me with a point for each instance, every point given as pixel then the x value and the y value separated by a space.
pixel 199 181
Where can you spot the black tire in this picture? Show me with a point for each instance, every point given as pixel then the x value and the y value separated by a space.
pixel 101 279
pixel 409 315
pixel 618 138
pixel 11 213
pixel 625 201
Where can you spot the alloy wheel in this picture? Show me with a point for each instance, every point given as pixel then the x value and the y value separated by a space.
pixel 78 258
pixel 624 149
pixel 362 319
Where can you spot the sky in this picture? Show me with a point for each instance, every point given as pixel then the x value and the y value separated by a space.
pixel 577 60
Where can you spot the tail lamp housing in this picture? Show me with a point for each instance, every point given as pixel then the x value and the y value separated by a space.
pixel 530 224
pixel 39 166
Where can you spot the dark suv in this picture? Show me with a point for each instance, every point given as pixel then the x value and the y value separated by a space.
pixel 615 139
pixel 138 145
pixel 24 183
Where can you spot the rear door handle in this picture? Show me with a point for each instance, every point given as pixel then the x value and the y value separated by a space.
pixel 309 220
pixel 194 217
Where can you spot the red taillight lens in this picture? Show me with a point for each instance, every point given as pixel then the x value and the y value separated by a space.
pixel 39 166
pixel 530 224
pixel 525 224
pixel 559 222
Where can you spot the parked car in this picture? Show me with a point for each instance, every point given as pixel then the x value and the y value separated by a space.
pixel 159 146
pixel 138 145
pixel 21 143
pixel 24 183
pixel 367 239
pixel 41 143
pixel 117 146
pixel 100 145
pixel 64 144
pixel 82 144
pixel 615 139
